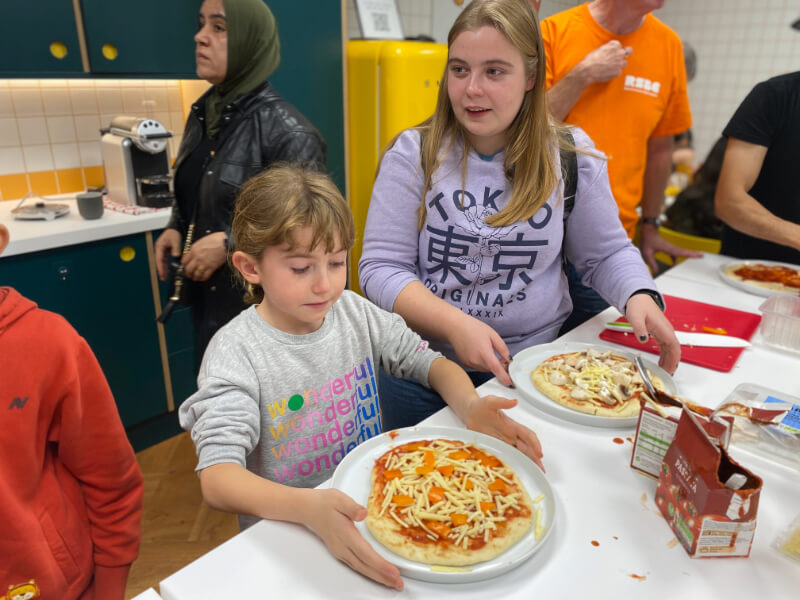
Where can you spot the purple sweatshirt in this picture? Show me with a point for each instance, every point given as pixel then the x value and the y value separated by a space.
pixel 508 277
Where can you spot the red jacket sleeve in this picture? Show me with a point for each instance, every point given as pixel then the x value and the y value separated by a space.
pixel 93 445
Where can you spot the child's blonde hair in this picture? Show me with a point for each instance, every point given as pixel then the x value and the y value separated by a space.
pixel 532 137
pixel 275 202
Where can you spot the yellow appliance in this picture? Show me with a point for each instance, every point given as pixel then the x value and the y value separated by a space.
pixel 390 86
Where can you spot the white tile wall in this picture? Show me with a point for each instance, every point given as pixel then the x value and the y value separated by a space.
pixel 416 17
pixel 738 43
pixel 55 123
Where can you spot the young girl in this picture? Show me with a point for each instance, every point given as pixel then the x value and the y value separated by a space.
pixel 466 233
pixel 288 388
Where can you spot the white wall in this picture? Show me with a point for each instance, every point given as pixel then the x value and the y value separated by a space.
pixel 738 44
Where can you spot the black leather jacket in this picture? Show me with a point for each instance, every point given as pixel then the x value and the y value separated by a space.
pixel 256 130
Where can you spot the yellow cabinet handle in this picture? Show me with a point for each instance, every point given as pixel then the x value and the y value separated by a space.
pixel 58 49
pixel 110 51
pixel 127 253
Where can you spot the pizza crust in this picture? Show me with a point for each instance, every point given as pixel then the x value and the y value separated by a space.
pixel 601 384
pixel 414 532
pixel 730 271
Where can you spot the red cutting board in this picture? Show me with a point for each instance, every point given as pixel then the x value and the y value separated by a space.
pixel 688 315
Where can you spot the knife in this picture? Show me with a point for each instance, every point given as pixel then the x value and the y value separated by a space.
pixel 690 338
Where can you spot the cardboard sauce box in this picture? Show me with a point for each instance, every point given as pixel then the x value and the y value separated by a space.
pixel 708 518
pixel 656 429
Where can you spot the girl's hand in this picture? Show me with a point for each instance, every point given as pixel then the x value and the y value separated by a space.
pixel 331 518
pixel 481 348
pixel 647 320
pixel 486 415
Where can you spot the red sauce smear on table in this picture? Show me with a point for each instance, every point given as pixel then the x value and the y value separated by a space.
pixel 637 577
pixel 629 439
pixel 615 537
pixel 393 434
pixel 619 441
pixel 595 543
pixel 772 274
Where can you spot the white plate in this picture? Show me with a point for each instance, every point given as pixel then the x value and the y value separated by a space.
pixel 751 287
pixel 526 361
pixel 352 477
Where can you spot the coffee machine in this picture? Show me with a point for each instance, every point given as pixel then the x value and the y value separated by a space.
pixel 136 162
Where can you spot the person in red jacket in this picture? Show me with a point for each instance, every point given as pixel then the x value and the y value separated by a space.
pixel 70 485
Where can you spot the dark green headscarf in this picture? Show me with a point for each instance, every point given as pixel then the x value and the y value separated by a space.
pixel 254 52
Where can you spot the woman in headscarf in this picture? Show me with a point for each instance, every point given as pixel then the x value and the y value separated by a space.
pixel 240 126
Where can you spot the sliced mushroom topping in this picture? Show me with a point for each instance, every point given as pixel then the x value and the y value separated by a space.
pixel 571 359
pixel 558 378
pixel 621 378
pixel 592 353
pixel 579 394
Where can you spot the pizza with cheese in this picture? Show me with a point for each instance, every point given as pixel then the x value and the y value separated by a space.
pixel 773 277
pixel 593 382
pixel 445 502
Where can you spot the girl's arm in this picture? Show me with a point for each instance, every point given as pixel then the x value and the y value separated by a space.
pixel 477 345
pixel 482 414
pixel 328 513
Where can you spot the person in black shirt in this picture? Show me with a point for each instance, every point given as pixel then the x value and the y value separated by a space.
pixel 758 193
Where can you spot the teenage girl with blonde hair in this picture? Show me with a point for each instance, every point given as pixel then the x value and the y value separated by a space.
pixel 287 388
pixel 467 232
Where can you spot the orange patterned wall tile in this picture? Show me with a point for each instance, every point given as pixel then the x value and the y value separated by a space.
pixel 13 187
pixel 70 180
pixel 94 176
pixel 43 183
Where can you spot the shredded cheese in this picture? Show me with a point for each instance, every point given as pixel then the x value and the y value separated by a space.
pixel 463 492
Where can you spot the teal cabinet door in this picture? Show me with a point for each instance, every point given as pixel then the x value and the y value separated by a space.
pixel 103 289
pixel 310 73
pixel 146 37
pixel 31 30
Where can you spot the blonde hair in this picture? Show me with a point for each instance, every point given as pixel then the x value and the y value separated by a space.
pixel 532 137
pixel 277 201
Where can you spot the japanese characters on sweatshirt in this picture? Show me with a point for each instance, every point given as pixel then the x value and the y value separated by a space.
pixel 509 277
pixel 290 407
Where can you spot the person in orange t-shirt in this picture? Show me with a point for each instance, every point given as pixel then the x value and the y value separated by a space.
pixel 618 72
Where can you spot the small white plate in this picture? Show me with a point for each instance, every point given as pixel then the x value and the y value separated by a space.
pixel 526 361
pixel 748 286
pixel 352 477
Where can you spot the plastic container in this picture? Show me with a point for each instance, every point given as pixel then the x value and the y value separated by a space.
pixel 766 422
pixel 788 541
pixel 780 325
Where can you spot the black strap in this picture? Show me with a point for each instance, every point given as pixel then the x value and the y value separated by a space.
pixel 569 171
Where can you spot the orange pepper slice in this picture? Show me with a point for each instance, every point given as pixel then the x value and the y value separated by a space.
pixel 402 500
pixel 435 494
pixel 459 455
pixel 393 474
pixel 441 529
pixel 424 470
pixel 488 506
pixel 717 330
pixel 458 519
pixel 446 470
pixel 428 459
pixel 468 485
pixel 498 485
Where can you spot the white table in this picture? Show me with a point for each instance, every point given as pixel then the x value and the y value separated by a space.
pixel 148 594
pixel 599 498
